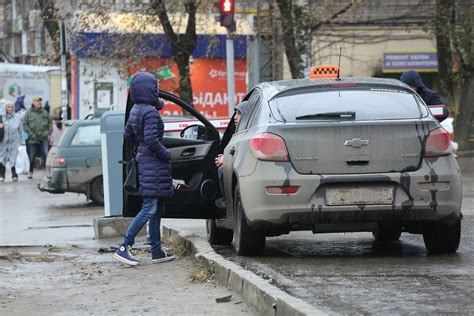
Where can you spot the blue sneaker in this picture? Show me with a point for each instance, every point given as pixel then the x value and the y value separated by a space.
pixel 159 255
pixel 124 255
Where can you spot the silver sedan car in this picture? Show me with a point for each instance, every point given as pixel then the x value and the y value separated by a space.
pixel 339 155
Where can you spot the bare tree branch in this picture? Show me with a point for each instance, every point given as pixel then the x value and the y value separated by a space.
pixel 334 16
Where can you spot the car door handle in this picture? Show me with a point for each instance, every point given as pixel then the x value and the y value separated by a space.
pixel 188 152
pixel 88 162
pixel 232 151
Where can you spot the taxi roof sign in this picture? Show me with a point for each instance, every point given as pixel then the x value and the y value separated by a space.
pixel 324 71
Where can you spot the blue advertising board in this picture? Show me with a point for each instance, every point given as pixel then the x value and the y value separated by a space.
pixel 87 44
pixel 413 60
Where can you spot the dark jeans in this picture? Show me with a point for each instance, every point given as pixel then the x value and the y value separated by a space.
pixel 3 169
pixel 40 148
pixel 152 211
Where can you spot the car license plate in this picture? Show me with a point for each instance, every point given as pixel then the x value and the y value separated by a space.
pixel 359 195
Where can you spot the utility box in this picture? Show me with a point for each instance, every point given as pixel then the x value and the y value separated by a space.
pixel 111 134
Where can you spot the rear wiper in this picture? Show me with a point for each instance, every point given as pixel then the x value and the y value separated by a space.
pixel 342 115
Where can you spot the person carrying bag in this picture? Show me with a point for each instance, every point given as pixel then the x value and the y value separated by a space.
pixel 131 183
pixel 153 163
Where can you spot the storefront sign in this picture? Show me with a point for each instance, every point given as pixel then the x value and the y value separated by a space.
pixel 403 61
pixel 208 79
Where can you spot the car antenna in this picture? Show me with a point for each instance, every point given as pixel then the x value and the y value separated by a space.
pixel 339 66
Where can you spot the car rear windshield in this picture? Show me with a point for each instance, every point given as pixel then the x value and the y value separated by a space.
pixel 363 104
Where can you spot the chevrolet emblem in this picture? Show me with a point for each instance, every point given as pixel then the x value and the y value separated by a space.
pixel 356 142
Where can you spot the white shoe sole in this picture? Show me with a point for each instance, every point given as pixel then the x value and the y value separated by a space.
pixel 123 260
pixel 163 259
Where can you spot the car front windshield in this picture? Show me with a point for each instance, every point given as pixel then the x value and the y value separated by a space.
pixel 362 104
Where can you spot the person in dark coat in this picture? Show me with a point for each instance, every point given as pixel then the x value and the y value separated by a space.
pixel 413 79
pixel 20 103
pixel 154 167
pixel 219 160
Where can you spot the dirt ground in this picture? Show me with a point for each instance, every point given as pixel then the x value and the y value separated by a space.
pixel 75 280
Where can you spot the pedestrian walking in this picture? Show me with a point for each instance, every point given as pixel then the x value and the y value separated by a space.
pixel 38 126
pixel 154 168
pixel 413 79
pixel 12 137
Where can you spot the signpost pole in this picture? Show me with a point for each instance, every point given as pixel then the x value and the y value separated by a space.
pixel 64 94
pixel 230 71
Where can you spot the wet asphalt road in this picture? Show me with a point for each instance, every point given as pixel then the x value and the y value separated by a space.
pixel 350 274
pixel 31 217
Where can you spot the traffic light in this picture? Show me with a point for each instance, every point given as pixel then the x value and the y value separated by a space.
pixel 227 9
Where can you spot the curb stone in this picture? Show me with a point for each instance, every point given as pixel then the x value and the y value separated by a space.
pixel 268 299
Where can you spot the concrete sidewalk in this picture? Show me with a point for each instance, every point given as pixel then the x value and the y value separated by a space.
pixel 50 264
pixel 269 299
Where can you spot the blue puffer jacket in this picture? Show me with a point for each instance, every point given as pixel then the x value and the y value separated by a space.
pixel 413 79
pixel 154 167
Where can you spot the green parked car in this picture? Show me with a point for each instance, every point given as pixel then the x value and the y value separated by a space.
pixel 74 163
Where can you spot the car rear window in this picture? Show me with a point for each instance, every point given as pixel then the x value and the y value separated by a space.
pixel 87 135
pixel 368 104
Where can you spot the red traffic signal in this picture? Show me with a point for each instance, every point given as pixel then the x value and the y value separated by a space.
pixel 227 6
pixel 227 9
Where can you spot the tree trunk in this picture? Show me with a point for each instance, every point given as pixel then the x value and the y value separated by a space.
pixel 185 89
pixel 289 40
pixel 464 119
pixel 444 21
pixel 182 44
pixel 48 14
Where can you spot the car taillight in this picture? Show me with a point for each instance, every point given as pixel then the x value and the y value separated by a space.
pixel 59 162
pixel 438 143
pixel 268 147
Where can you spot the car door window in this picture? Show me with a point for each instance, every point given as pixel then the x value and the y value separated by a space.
pixel 255 114
pixel 88 135
pixel 253 101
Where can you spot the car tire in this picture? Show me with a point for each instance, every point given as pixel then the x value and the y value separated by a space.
pixel 246 240
pixel 217 235
pixel 442 238
pixel 387 232
pixel 97 190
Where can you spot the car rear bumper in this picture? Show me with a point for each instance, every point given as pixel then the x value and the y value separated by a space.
pixel 54 181
pixel 308 206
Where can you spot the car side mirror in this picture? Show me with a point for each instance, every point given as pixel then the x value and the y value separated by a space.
pixel 440 112
pixel 194 131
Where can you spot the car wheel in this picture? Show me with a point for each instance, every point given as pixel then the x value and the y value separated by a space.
pixel 97 190
pixel 217 235
pixel 442 238
pixel 387 232
pixel 247 241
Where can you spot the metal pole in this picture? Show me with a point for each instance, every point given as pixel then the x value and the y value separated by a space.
pixel 64 94
pixel 230 71
pixel 256 60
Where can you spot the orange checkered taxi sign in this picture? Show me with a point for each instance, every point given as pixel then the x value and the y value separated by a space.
pixel 324 71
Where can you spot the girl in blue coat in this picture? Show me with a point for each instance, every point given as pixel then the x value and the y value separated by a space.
pixel 154 168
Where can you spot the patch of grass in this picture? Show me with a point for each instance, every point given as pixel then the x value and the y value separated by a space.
pixel 201 274
pixel 179 247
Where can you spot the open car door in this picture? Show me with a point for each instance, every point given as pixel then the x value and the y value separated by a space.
pixel 192 160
